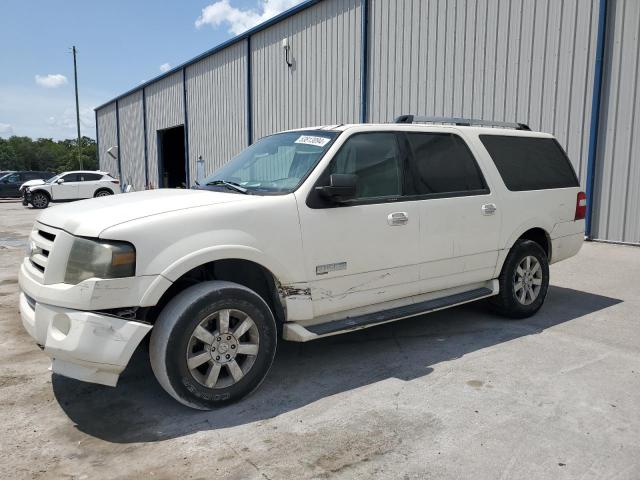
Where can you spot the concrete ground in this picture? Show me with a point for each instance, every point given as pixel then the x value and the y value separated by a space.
pixel 455 394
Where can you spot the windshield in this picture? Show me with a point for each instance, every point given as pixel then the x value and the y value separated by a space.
pixel 274 164
pixel 53 179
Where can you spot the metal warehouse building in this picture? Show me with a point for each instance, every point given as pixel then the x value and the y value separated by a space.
pixel 569 67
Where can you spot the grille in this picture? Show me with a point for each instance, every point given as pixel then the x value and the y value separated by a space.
pixel 46 235
pixel 43 242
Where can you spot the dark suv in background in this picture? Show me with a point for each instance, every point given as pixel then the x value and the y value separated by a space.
pixel 10 183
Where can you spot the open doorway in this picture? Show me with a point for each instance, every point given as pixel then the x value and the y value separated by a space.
pixel 171 161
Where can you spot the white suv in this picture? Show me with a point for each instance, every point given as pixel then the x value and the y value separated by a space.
pixel 305 234
pixel 67 186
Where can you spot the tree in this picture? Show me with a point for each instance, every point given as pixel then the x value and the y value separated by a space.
pixel 23 153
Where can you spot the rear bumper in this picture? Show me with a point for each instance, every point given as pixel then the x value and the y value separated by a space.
pixel 566 240
pixel 82 345
pixel 565 247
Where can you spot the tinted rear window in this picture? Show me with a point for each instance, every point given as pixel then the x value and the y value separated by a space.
pixel 90 177
pixel 530 163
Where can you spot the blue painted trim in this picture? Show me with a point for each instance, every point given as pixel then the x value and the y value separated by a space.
pixel 118 144
pixel 284 15
pixel 146 149
pixel 595 114
pixel 364 59
pixel 186 127
pixel 249 95
pixel 97 142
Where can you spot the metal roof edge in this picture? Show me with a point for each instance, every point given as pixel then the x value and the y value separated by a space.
pixel 221 46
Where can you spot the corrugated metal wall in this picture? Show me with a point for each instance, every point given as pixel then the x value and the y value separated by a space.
pixel 217 106
pixel 323 85
pixel 132 141
pixel 512 60
pixel 617 181
pixel 165 109
pixel 108 137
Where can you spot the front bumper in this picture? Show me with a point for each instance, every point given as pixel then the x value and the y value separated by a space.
pixel 82 345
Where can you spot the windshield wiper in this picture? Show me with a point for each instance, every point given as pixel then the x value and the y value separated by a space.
pixel 229 185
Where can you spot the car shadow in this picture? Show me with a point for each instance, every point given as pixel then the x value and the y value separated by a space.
pixel 138 410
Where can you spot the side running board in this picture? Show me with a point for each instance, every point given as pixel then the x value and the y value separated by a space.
pixel 397 313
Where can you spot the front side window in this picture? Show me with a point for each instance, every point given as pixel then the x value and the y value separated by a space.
pixel 275 164
pixel 376 161
pixel 12 178
pixel 442 164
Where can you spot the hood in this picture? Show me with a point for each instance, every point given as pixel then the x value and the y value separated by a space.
pixel 31 183
pixel 89 218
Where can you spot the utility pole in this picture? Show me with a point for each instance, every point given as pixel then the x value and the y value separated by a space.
pixel 75 76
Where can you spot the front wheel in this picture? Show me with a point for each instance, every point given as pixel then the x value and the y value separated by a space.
pixel 213 344
pixel 40 200
pixel 524 281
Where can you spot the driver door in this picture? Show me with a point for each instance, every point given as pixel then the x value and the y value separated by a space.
pixel 363 251
pixel 68 189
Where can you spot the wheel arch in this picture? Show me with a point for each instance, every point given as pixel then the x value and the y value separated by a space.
pixel 538 231
pixel 246 272
pixel 103 189
pixel 42 190
pixel 535 231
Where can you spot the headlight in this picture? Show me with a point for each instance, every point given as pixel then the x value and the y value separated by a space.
pixel 99 259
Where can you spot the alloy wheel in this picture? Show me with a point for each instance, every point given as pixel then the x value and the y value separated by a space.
pixel 223 348
pixel 527 280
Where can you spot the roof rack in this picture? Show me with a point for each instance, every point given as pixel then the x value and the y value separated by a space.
pixel 464 122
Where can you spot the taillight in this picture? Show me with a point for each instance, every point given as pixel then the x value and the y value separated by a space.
pixel 117 182
pixel 581 206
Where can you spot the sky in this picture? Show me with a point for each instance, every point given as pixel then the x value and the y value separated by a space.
pixel 120 43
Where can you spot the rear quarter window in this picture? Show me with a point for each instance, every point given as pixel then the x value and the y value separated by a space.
pixel 530 163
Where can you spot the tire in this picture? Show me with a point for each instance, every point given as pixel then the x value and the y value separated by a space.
pixel 102 193
pixel 188 328
pixel 522 292
pixel 40 200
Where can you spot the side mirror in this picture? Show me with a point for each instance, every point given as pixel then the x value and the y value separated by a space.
pixel 59 181
pixel 342 186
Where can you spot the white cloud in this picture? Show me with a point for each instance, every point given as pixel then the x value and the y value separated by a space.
pixel 241 20
pixel 53 80
pixel 165 67
pixel 66 120
pixel 39 113
pixel 6 130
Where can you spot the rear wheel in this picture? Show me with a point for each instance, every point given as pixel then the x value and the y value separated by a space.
pixel 40 200
pixel 103 193
pixel 524 281
pixel 213 344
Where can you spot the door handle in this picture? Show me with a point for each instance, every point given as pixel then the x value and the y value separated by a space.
pixel 397 218
pixel 489 208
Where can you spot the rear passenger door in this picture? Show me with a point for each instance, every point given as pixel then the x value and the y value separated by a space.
pixel 460 216
pixel 88 183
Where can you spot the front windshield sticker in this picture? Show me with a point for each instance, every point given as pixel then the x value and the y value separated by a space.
pixel 312 140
